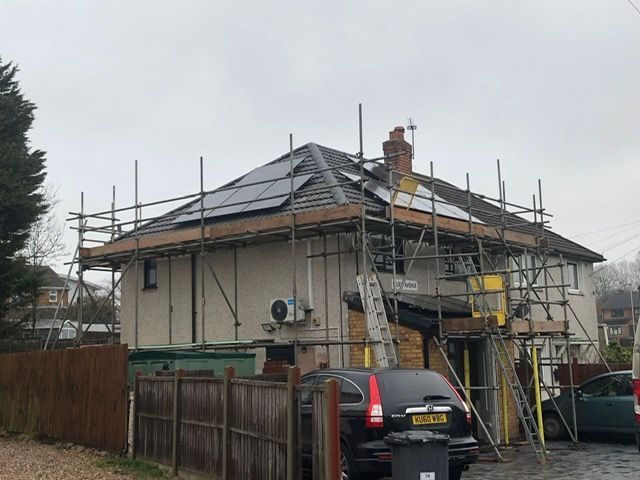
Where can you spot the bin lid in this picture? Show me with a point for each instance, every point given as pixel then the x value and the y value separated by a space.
pixel 411 437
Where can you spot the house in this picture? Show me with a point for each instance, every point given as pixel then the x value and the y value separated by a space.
pixel 46 317
pixel 614 314
pixel 51 293
pixel 269 262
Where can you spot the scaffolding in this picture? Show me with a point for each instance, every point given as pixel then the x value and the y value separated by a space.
pixel 514 285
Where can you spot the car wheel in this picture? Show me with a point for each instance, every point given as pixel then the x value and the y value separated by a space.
pixel 553 427
pixel 455 473
pixel 347 464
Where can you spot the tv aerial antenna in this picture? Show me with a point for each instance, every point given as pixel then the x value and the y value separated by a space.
pixel 413 127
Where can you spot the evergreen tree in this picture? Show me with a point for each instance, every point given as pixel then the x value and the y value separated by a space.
pixel 22 173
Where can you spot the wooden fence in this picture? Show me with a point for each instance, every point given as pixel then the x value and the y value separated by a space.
pixel 584 371
pixel 235 429
pixel 75 395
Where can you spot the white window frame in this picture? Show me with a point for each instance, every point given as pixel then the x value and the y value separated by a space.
pixel 53 296
pixel 516 272
pixel 67 333
pixel 617 332
pixel 578 276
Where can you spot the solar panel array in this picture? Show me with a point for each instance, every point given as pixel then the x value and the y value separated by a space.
pixel 265 187
pixel 414 202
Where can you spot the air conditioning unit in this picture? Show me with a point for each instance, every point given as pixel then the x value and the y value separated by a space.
pixel 281 310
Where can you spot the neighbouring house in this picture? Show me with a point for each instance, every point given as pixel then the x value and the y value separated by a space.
pixel 52 292
pixel 614 314
pixel 226 275
pixel 56 295
pixel 90 289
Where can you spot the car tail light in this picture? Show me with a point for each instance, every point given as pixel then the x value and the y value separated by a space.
pixel 464 404
pixel 636 398
pixel 375 417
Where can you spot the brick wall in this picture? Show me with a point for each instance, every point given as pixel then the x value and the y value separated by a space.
pixel 436 362
pixel 412 356
pixel 411 348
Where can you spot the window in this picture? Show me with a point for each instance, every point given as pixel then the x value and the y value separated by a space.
pixel 53 296
pixel 609 386
pixel 382 253
pixel 306 396
pixel 615 331
pixel 526 266
pixel 349 392
pixel 150 273
pixel 617 313
pixel 67 333
pixel 460 265
pixel 573 272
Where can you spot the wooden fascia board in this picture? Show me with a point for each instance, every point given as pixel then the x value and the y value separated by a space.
pixel 468 324
pixel 214 232
pixel 460 226
pixel 539 326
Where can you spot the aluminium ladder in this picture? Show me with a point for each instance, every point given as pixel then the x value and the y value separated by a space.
pixel 508 369
pixel 377 325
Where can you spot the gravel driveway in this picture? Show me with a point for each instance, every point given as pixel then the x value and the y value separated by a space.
pixel 22 459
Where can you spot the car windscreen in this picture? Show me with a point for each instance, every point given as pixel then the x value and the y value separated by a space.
pixel 414 386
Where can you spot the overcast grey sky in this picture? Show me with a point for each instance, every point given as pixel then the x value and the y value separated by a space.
pixel 549 87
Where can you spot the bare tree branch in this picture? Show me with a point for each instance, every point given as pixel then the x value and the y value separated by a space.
pixel 46 236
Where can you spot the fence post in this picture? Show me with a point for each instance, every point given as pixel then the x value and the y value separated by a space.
pixel 293 378
pixel 134 415
pixel 331 431
pixel 229 373
pixel 176 421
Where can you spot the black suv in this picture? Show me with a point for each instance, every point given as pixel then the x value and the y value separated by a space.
pixel 376 402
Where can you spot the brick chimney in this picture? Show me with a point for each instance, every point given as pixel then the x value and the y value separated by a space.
pixel 397 144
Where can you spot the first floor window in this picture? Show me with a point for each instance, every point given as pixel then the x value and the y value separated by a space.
pixel 615 331
pixel 53 296
pixel 150 273
pixel 617 313
pixel 525 270
pixel 383 254
pixel 574 276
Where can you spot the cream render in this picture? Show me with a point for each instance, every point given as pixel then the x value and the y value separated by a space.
pixel 264 272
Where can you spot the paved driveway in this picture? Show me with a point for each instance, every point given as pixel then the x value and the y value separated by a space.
pixel 610 461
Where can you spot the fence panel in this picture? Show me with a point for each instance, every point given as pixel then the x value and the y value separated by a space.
pixel 200 435
pixel 75 395
pixel 584 371
pixel 256 418
pixel 258 430
pixel 154 412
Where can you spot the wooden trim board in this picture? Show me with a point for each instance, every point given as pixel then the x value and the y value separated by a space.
pixel 460 226
pixel 213 232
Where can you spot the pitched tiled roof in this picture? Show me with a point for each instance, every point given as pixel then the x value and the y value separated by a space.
pixel 50 279
pixel 620 300
pixel 307 198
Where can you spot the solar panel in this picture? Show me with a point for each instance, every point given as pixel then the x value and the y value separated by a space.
pixel 273 171
pixel 406 200
pixel 271 192
pixel 210 201
pixel 239 200
pixel 377 169
pixel 375 187
pixel 280 189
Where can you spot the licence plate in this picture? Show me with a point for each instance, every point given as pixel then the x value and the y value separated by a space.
pixel 429 419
